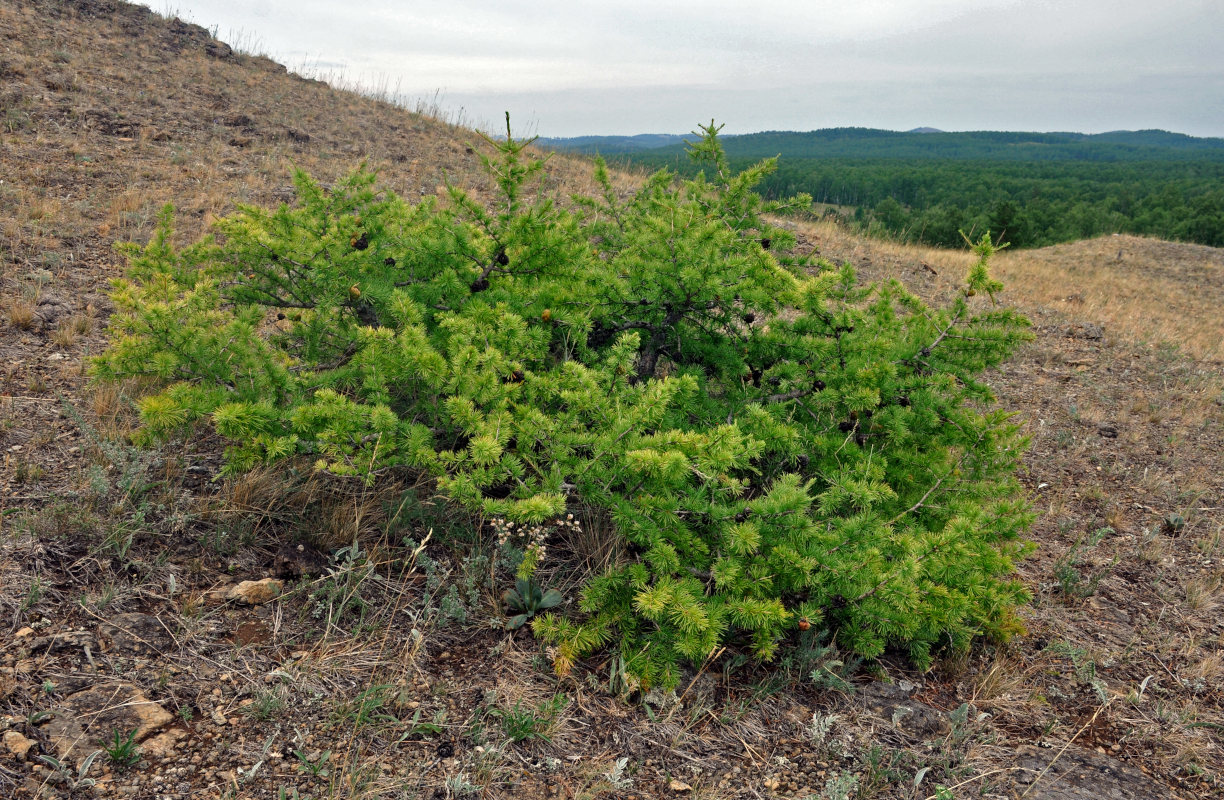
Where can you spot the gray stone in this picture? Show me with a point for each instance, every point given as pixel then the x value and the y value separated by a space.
pixel 1079 774
pixel 911 717
pixel 135 634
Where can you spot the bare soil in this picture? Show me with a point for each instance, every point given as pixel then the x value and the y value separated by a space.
pixel 383 670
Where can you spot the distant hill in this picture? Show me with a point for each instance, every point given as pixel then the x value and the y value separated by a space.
pixel 925 143
pixel 611 144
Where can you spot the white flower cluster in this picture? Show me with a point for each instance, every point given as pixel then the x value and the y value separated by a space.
pixel 532 537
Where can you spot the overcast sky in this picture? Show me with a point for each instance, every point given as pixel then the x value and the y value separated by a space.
pixel 571 67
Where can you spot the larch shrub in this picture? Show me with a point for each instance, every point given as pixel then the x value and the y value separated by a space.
pixel 778 445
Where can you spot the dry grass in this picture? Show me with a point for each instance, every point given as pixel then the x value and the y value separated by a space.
pixel 886 258
pixel 22 314
pixel 337 512
pixel 1144 289
pixel 65 334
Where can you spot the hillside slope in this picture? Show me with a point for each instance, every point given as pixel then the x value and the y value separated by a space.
pixel 364 679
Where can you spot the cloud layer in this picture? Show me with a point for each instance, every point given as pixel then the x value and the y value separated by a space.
pixel 567 68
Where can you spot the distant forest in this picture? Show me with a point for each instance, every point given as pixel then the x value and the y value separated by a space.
pixel 1029 189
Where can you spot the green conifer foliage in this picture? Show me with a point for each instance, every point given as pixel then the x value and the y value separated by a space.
pixel 773 440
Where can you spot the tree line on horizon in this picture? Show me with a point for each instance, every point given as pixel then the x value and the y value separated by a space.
pixel 1030 189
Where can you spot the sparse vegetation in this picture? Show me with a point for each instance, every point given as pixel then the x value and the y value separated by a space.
pixel 1072 581
pixel 524 723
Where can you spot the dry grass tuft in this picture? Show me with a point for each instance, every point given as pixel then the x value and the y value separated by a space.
pixel 1203 594
pixel 65 334
pixel 329 512
pixel 22 315
pixel 1003 681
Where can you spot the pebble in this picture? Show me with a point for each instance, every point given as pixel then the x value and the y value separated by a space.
pixel 18 745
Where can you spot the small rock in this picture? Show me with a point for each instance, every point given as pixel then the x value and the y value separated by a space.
pixel 86 718
pixel 218 49
pixel 163 744
pixel 296 560
pixel 135 634
pixel 1086 330
pixel 18 745
pixel 255 593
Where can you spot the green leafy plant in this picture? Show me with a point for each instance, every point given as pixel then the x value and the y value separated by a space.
pixel 775 444
pixel 265 705
pixel 424 729
pixel 317 766
pixel 367 707
pixel 522 723
pixel 72 782
pixel 526 600
pixel 121 750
